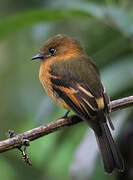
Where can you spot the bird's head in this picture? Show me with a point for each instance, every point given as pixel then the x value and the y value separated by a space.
pixel 60 47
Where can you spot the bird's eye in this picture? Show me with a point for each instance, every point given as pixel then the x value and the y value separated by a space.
pixel 52 50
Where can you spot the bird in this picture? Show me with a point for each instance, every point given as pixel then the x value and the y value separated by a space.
pixel 72 80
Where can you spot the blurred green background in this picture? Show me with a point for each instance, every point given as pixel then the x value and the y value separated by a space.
pixel 105 30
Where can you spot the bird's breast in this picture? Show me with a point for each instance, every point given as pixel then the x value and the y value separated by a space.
pixel 45 78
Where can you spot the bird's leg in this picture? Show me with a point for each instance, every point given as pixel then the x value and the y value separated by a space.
pixel 65 115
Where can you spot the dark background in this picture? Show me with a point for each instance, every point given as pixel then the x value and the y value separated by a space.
pixel 105 30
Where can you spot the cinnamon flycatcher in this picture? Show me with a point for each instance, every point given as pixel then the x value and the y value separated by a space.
pixel 72 80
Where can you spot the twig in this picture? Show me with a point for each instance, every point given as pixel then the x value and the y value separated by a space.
pixel 16 141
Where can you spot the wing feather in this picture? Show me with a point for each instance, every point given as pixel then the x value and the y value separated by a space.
pixel 79 99
pixel 79 86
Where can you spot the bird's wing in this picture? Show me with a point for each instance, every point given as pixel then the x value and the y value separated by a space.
pixel 77 82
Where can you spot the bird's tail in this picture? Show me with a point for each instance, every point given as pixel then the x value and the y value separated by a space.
pixel 110 154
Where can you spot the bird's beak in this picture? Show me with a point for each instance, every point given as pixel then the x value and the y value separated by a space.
pixel 38 56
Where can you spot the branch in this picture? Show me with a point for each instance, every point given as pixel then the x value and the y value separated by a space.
pixel 17 141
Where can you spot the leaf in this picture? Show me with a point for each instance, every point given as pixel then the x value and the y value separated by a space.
pixel 29 18
pixel 114 16
pixel 120 18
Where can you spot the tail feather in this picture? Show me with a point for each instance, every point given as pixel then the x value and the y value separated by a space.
pixel 110 154
pixel 119 163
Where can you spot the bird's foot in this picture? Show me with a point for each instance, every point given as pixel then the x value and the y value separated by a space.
pixel 65 115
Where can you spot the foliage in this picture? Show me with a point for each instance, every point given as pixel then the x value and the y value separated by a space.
pixel 105 30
